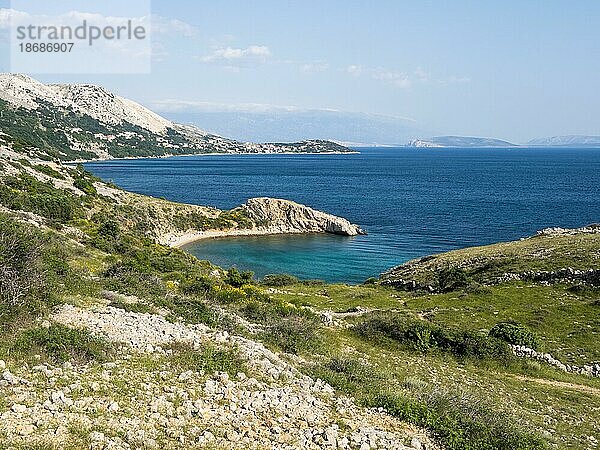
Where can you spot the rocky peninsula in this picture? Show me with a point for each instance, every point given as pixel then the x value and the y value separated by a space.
pixel 270 216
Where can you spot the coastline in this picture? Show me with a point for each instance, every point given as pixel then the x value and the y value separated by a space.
pixel 123 158
pixel 179 241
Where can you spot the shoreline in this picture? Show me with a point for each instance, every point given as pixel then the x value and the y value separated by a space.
pixel 124 158
pixel 179 241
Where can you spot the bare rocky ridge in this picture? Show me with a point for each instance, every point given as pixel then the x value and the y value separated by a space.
pixel 75 122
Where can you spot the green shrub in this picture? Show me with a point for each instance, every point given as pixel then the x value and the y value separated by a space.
pixel 423 336
pixel 59 343
pixel 236 278
pixel 294 334
pixel 209 359
pixel 515 334
pixel 279 280
pixel 458 422
pixel 22 273
pixel 196 285
pixel 193 310
pixel 124 278
pixel 137 307
pixel 315 283
pixel 452 278
pixel 346 374
pixel 26 193
pixel 47 170
pixel 85 185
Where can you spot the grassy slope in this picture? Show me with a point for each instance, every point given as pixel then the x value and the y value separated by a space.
pixel 562 407
pixel 537 253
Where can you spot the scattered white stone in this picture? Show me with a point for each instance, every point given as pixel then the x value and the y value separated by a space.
pixel 113 407
pixel 18 408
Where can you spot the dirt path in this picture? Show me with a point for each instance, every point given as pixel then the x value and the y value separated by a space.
pixel 561 384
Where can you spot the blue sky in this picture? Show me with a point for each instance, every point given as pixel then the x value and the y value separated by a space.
pixel 512 69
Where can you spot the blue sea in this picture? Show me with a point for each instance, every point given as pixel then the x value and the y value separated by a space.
pixel 413 202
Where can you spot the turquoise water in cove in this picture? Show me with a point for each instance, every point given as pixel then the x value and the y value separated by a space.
pixel 413 202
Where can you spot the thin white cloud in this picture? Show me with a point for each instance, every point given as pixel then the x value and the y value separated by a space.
pixel 455 80
pixel 403 80
pixel 395 78
pixel 163 26
pixel 314 67
pixel 421 75
pixel 398 79
pixel 355 70
pixel 251 56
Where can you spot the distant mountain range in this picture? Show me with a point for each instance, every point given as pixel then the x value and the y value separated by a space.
pixel 280 124
pixel 260 123
pixel 83 121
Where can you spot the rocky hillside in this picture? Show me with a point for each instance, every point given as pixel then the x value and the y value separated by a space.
pixel 82 122
pixel 552 255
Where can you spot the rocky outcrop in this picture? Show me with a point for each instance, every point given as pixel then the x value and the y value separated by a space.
pixel 565 275
pixel 590 370
pixel 284 216
pixel 558 231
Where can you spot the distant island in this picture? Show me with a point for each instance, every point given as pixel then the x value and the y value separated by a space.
pixel 575 141
pixel 459 141
pixel 567 141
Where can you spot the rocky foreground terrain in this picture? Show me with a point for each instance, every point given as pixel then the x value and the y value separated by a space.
pixel 137 400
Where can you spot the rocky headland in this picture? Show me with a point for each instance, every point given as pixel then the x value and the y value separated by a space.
pixel 272 216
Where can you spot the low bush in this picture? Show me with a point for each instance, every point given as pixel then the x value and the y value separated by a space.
pixel 295 334
pixel 59 343
pixel 346 374
pixel 515 334
pixel 423 336
pixel 137 307
pixel 316 283
pixel 236 278
pixel 279 280
pixel 196 285
pixel 458 422
pixel 47 170
pixel 208 359
pixel 452 278
pixel 193 310
pixel 26 193
pixel 122 277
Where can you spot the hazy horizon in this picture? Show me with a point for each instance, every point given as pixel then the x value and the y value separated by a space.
pixel 514 71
